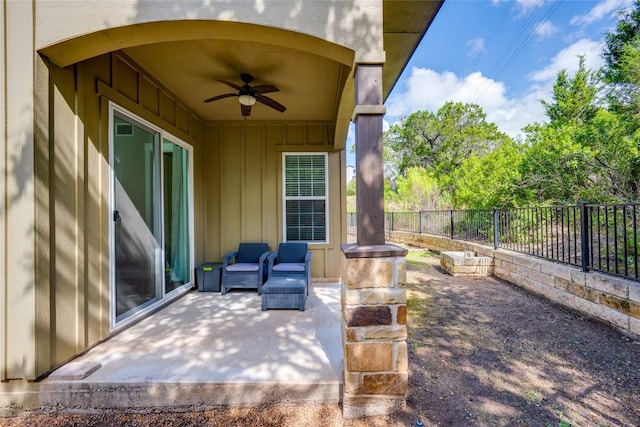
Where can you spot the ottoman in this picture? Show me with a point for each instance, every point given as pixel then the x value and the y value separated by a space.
pixel 284 292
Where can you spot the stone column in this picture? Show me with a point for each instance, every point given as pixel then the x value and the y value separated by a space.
pixel 374 310
pixel 374 332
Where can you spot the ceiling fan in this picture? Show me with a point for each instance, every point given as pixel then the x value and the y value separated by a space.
pixel 248 95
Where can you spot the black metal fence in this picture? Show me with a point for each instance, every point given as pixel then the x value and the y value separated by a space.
pixel 607 240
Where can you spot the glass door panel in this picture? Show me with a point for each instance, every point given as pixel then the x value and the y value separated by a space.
pixel 137 220
pixel 176 215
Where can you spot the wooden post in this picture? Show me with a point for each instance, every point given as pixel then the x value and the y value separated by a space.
pixel 369 163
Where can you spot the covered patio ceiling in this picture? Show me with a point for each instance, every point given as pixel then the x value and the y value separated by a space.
pixel 310 85
pixel 313 87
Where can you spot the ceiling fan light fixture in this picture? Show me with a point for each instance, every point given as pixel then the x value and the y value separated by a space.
pixel 249 96
pixel 247 100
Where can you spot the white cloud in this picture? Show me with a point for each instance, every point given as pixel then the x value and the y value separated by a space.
pixel 524 5
pixel 545 29
pixel 601 10
pixel 567 59
pixel 476 47
pixel 527 5
pixel 430 90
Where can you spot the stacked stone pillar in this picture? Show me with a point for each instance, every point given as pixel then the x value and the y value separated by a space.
pixel 374 310
pixel 374 332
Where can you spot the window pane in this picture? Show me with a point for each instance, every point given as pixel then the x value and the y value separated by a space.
pixel 305 178
pixel 305 175
pixel 306 220
pixel 176 215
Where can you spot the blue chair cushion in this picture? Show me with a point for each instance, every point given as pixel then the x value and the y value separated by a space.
pixel 250 252
pixel 243 266
pixel 289 266
pixel 292 252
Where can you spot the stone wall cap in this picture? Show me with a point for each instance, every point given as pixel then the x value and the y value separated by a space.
pixel 353 250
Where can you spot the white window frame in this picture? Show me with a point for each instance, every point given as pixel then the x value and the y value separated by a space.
pixel 325 198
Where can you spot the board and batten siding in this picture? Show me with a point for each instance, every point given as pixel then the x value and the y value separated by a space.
pixel 243 187
pixel 72 195
pixel 237 197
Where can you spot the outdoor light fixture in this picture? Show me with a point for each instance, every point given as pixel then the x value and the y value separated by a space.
pixel 249 96
pixel 246 99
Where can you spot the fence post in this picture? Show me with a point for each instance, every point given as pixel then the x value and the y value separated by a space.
pixel 496 235
pixel 391 227
pixel 419 222
pixel 584 237
pixel 451 221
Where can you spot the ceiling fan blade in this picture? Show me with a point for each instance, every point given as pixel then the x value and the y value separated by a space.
pixel 233 85
pixel 245 109
pixel 265 89
pixel 215 98
pixel 271 103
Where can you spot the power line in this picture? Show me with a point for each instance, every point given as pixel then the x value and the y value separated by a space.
pixel 515 47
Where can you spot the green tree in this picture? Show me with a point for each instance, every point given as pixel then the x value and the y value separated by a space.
pixel 586 151
pixel 351 188
pixel 441 141
pixel 624 97
pixel 614 144
pixel 488 181
pixel 574 99
pixel 554 167
pixel 627 30
pixel 417 191
pixel 557 165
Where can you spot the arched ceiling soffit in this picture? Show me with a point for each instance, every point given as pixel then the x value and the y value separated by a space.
pixel 188 58
pixel 86 46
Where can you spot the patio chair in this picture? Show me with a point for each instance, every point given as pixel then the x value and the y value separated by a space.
pixel 244 268
pixel 291 260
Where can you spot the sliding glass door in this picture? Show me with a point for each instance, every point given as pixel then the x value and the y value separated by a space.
pixel 176 215
pixel 151 232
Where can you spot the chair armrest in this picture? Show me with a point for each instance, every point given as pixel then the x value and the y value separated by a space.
pixel 271 259
pixel 228 257
pixel 261 262
pixel 263 257
pixel 307 267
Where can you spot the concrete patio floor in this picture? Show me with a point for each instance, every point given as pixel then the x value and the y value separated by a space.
pixel 208 349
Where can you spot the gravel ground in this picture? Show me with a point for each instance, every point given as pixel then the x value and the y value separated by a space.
pixel 482 352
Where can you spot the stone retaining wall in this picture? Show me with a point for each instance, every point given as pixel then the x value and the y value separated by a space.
pixel 611 299
pixel 466 264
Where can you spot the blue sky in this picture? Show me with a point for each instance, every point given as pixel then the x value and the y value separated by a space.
pixel 501 54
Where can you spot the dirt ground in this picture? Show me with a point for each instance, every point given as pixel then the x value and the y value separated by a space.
pixel 486 353
pixel 481 353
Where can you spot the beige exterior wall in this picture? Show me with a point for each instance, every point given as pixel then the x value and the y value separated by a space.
pixel 54 154
pixel 72 194
pixel 237 197
pixel 354 24
pixel 55 234
pixel 18 294
pixel 242 180
pixel 3 144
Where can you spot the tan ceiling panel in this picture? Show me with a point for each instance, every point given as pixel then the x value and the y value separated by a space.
pixel 308 83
